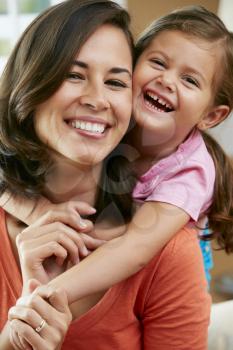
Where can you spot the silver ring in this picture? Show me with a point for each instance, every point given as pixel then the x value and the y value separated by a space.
pixel 41 326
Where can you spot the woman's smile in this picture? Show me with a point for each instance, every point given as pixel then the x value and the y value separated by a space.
pixel 89 126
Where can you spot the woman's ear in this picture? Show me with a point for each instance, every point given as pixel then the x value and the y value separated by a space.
pixel 215 116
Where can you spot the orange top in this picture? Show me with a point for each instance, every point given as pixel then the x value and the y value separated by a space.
pixel 10 277
pixel 165 306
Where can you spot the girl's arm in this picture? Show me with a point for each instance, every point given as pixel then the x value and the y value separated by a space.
pixel 151 228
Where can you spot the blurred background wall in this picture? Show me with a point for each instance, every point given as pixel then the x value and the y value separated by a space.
pixel 145 11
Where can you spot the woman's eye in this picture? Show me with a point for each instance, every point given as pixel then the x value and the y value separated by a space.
pixel 116 83
pixel 75 76
pixel 191 80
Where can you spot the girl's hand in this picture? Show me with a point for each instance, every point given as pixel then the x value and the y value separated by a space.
pixel 73 209
pixel 53 238
pixel 38 322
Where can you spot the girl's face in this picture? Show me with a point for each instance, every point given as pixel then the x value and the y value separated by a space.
pixel 88 115
pixel 173 87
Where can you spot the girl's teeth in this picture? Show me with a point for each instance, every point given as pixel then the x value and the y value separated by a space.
pixel 87 126
pixel 160 100
pixel 153 106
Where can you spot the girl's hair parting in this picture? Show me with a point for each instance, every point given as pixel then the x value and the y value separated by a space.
pixel 197 22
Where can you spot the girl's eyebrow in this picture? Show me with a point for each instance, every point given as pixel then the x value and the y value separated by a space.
pixel 114 70
pixel 155 52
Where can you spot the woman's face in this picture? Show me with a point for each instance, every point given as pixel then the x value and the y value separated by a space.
pixel 88 115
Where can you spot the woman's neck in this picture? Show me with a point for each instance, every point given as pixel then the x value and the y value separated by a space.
pixel 71 182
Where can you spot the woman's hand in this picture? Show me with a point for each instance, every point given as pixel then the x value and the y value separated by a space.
pixel 40 322
pixel 51 245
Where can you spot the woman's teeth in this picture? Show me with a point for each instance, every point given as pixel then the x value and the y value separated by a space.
pixel 87 126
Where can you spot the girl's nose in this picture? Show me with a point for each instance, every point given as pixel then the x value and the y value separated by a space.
pixel 167 81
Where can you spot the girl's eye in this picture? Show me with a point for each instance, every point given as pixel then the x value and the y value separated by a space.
pixel 116 83
pixel 191 80
pixel 158 62
pixel 75 76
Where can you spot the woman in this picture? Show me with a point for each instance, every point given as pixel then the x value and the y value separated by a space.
pixel 154 309
pixel 57 81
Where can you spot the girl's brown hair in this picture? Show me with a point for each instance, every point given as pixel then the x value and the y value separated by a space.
pixel 35 70
pixel 198 22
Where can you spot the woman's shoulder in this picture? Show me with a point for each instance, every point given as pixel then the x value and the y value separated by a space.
pixel 174 301
pixel 179 263
pixel 183 246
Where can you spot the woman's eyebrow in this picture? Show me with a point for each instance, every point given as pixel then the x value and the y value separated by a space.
pixel 117 70
pixel 80 64
pixel 114 70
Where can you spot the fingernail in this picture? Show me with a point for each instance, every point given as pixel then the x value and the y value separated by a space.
pixel 82 224
pixel 85 251
pixel 93 210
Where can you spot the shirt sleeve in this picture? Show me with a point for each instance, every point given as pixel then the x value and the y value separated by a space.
pixel 190 189
pixel 177 308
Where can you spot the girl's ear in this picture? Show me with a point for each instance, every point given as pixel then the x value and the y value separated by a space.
pixel 214 117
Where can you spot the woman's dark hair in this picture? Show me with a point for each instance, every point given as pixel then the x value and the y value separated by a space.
pixel 115 188
pixel 35 70
pixel 197 22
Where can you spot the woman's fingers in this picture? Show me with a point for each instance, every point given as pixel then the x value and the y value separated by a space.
pixel 35 307
pixel 25 345
pixel 40 323
pixel 30 336
pixel 25 314
pixel 14 339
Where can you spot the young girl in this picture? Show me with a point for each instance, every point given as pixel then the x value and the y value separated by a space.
pixel 183 85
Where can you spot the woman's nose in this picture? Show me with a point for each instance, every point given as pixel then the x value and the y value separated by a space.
pixel 94 98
